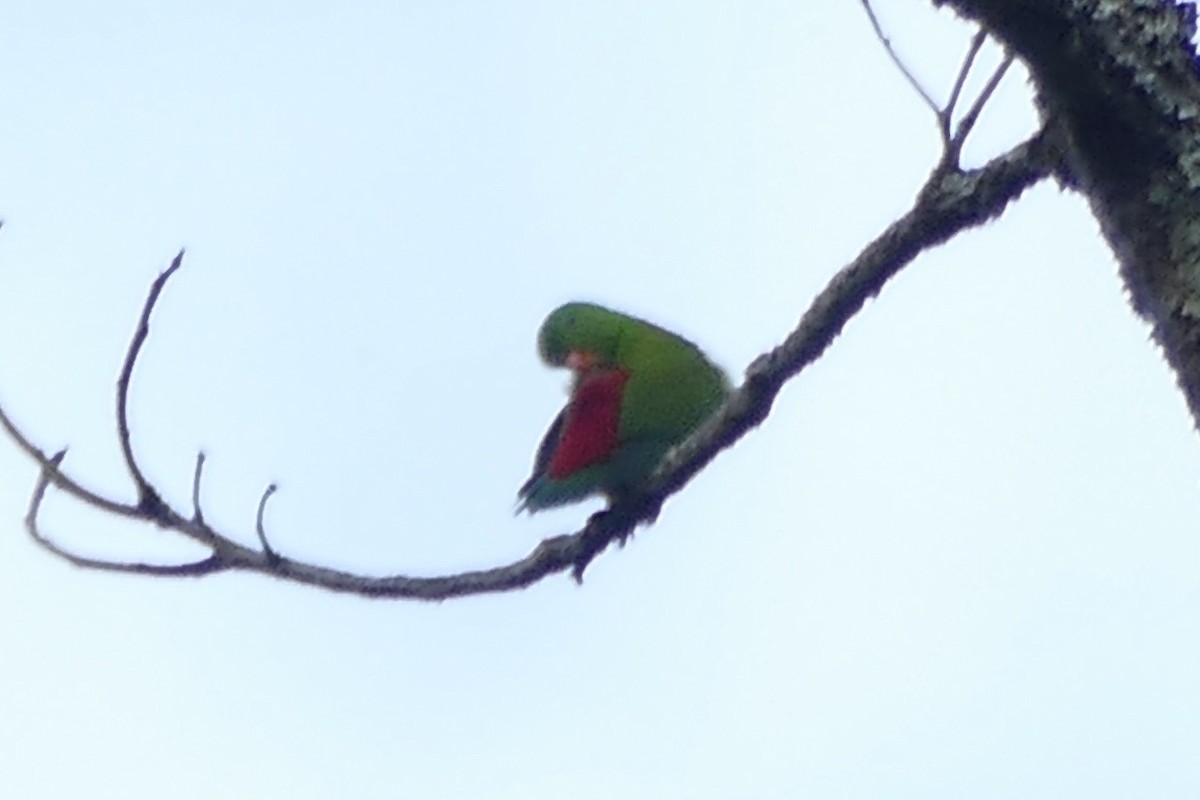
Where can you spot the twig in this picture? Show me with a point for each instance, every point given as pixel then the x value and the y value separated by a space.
pixel 952 140
pixel 39 490
pixel 947 116
pixel 967 123
pixel 258 523
pixel 197 514
pixel 900 65
pixel 45 478
pixel 148 499
pixel 60 479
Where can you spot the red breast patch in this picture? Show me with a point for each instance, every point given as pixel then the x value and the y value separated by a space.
pixel 589 434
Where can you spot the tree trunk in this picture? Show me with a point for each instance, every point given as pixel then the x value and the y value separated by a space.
pixel 1120 80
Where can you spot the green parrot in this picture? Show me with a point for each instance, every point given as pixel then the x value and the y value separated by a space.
pixel 636 392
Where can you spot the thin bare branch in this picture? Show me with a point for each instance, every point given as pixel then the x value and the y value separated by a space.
pixel 192 569
pixel 39 489
pixel 952 139
pixel 164 515
pixel 197 514
pixel 45 478
pixel 259 528
pixel 63 481
pixel 960 81
pixel 148 498
pixel 967 123
pixel 900 65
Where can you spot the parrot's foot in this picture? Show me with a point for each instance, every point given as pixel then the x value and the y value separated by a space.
pixel 625 512
pixel 609 519
pixel 615 523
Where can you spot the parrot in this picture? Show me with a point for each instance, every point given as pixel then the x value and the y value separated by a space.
pixel 637 390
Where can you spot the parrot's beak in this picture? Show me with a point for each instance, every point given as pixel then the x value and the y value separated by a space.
pixel 580 361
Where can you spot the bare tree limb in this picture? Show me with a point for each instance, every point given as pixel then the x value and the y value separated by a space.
pixel 951 201
pixel 1119 89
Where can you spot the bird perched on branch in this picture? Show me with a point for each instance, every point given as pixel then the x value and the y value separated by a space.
pixel 637 390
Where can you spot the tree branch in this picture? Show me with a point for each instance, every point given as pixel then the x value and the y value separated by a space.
pixel 951 201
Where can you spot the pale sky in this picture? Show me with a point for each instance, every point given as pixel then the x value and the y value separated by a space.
pixel 960 559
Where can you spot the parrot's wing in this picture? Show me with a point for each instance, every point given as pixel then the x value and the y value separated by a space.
pixel 573 460
pixel 545 452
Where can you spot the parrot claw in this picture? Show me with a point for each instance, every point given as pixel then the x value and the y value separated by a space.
pixel 615 523
pixel 599 517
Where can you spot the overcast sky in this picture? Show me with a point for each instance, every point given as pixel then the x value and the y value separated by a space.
pixel 960 559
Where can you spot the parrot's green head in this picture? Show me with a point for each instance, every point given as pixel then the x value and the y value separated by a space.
pixel 580 335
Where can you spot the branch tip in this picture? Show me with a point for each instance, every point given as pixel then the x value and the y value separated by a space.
pixel 260 528
pixel 197 514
